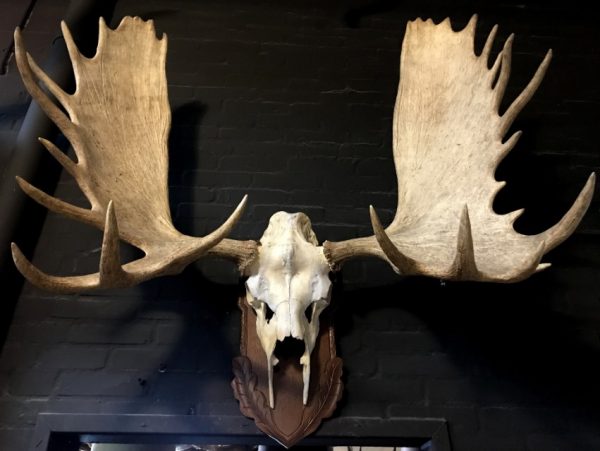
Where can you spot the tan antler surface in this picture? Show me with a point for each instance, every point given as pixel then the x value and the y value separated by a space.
pixel 118 122
pixel 448 141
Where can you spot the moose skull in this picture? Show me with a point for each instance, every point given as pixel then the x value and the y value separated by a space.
pixel 288 287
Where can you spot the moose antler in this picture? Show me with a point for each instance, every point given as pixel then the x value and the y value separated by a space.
pixel 448 141
pixel 118 122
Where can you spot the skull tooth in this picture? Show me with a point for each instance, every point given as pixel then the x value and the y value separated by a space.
pixel 305 361
pixel 271 362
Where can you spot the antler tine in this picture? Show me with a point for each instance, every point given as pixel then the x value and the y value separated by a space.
pixel 69 165
pixel 471 25
pixel 464 266
pixel 111 271
pixel 569 222
pixel 66 285
pixel 59 206
pixel 112 274
pixel 56 90
pixel 220 233
pixel 508 145
pixel 514 215
pixel 489 42
pixel 29 79
pixel 402 264
pixel 519 103
pixel 493 72
pixel 505 63
pixel 72 49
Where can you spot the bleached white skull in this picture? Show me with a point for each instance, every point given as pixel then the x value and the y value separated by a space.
pixel 288 287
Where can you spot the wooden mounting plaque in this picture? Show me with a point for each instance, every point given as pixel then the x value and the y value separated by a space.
pixel 290 420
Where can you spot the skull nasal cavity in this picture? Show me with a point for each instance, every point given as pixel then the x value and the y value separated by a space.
pixel 308 312
pixel 289 348
pixel 268 312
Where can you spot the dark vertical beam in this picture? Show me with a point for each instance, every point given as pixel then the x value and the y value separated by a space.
pixel 9 50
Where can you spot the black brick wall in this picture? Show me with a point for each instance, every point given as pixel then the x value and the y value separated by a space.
pixel 291 102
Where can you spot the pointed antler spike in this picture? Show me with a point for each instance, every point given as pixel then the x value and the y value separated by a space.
pixel 224 230
pixel 508 145
pixel 42 280
pixel 403 264
pixel 74 54
pixel 489 42
pixel 519 103
pixel 514 215
pixel 111 271
pixel 103 31
pixel 494 69
pixel 30 272
pixel 30 81
pixel 58 206
pixel 542 266
pixel 506 61
pixel 56 90
pixel 464 267
pixel 569 222
pixel 471 25
pixel 69 165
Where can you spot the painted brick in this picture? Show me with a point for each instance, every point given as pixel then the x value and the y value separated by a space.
pixel 18 438
pixel 556 442
pixel 169 333
pixel 93 332
pixel 501 421
pixel 361 389
pixel 32 382
pixel 433 365
pixel 362 363
pixel 68 307
pixel 155 358
pixel 73 356
pixel 53 331
pixel 20 355
pixel 461 420
pixel 18 413
pixel 181 387
pixel 99 383
pixel 402 342
pixel 478 442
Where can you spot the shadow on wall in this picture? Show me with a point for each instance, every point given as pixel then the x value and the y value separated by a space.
pixel 184 140
pixel 512 345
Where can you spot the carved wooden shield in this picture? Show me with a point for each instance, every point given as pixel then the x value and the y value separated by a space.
pixel 289 421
